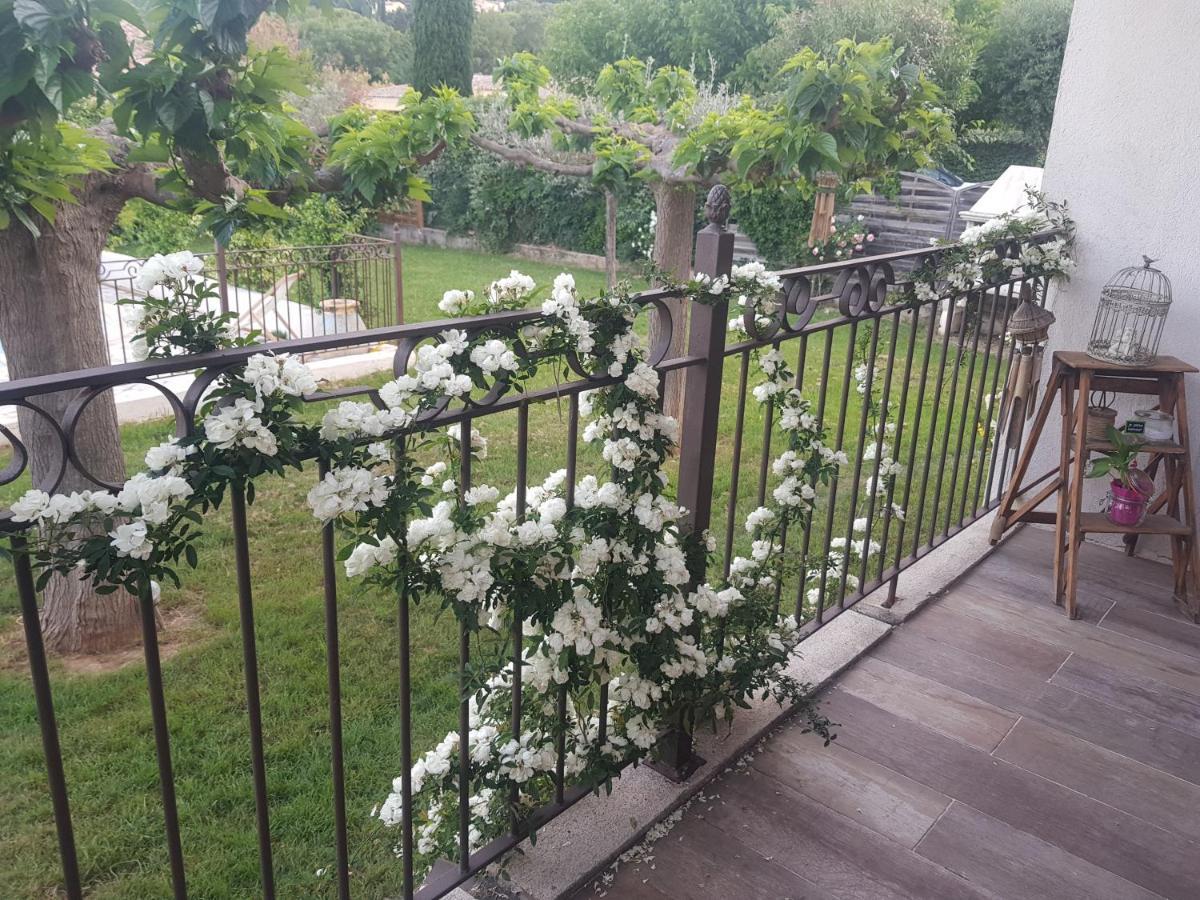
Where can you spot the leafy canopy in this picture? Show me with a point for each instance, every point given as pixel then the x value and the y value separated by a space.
pixel 189 99
pixel 859 112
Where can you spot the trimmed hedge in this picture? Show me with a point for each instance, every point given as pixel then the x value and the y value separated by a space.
pixel 503 204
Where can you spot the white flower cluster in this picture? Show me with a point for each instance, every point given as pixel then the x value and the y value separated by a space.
pixel 455 303
pixel 757 292
pixel 238 425
pixel 144 502
pixel 269 374
pixel 172 267
pixel 510 292
pixel 347 489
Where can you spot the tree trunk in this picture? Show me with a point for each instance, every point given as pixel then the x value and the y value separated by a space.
pixel 50 322
pixel 673 236
pixel 610 239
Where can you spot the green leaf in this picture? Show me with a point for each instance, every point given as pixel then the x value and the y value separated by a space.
pixel 33 15
pixel 24 219
pixel 825 144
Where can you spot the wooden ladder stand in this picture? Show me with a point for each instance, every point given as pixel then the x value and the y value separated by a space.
pixel 1073 377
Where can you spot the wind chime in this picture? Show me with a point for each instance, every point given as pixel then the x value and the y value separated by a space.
pixel 1028 327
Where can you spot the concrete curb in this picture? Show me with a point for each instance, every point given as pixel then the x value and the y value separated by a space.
pixel 581 842
pixel 930 577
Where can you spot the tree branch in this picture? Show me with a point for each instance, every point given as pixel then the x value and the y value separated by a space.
pixel 523 157
pixel 574 126
pixel 140 182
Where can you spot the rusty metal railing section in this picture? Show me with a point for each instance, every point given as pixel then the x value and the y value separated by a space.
pixel 908 393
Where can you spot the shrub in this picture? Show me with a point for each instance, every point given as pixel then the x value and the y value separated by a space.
pixel 1019 67
pixel 927 30
pixel 777 220
pixel 316 221
pixel 503 204
pixel 988 151
pixel 144 229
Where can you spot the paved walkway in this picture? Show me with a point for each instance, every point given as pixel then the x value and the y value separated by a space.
pixel 988 748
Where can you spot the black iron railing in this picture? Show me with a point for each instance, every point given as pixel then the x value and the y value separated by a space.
pixel 909 391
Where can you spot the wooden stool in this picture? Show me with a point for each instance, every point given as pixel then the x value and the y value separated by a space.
pixel 1173 512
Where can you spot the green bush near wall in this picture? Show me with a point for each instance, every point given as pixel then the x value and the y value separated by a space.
pixel 503 205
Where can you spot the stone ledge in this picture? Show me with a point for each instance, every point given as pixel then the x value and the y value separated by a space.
pixel 932 575
pixel 577 845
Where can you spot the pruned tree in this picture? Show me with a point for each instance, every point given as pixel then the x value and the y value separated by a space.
pixel 195 121
pixel 843 120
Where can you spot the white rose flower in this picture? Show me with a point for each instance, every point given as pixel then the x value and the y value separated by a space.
pixel 131 540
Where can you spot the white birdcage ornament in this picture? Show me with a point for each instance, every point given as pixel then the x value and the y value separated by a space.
pixel 1130 319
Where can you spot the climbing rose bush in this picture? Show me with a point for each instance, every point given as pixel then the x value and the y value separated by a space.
pixel 601 582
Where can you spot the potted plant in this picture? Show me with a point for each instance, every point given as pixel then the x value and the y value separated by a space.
pixel 1130 488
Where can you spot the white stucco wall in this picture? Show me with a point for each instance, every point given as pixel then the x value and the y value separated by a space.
pixel 1125 154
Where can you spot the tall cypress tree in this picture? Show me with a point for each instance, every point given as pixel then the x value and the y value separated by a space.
pixel 441 32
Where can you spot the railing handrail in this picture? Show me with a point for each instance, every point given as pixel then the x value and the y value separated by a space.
pixel 125 373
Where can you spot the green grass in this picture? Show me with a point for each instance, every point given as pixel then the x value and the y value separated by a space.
pixel 104 719
pixel 430 271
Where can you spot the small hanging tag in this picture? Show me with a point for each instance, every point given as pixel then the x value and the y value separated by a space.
pixel 1133 426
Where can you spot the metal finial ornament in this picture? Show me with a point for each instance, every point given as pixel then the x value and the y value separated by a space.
pixel 1131 316
pixel 717 206
pixel 1029 327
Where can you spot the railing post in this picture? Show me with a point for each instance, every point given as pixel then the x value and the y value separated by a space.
pixel 397 260
pixel 222 277
pixel 698 436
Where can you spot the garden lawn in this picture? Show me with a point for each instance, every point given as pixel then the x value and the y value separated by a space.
pixel 431 271
pixel 104 719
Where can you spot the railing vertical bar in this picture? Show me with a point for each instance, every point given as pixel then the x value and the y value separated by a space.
pixel 973 473
pixel 910 471
pixel 933 422
pixel 826 357
pixel 898 437
pixel 333 664
pixel 241 548
pixel 44 700
pixel 847 373
pixel 885 396
pixel 798 381
pixel 764 460
pixel 962 418
pixel 464 686
pixel 560 763
pixel 398 274
pixel 162 738
pixel 856 483
pixel 223 280
pixel 403 632
pixel 518 638
pixel 735 466
pixel 997 483
pixel 986 458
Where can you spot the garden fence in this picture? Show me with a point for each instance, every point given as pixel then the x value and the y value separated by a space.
pixel 282 293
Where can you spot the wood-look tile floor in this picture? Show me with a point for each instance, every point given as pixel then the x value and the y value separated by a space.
pixel 988 747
